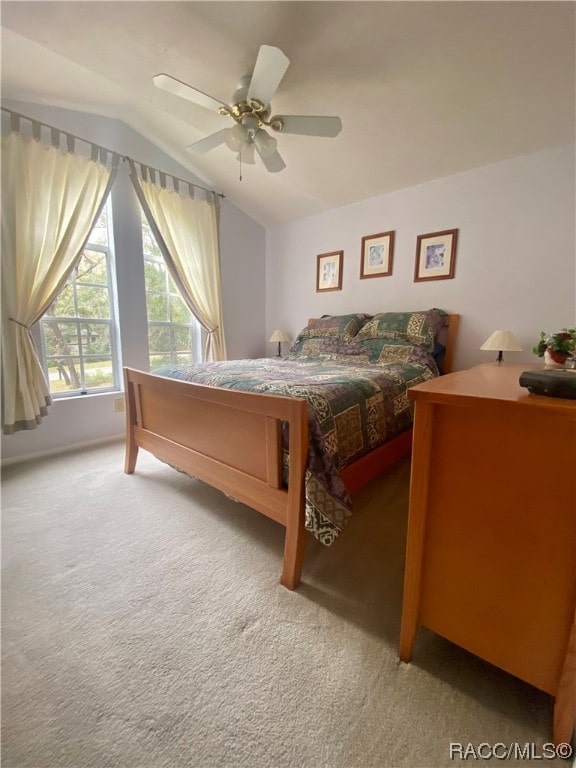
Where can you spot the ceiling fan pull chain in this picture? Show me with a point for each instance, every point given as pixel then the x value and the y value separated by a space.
pixel 240 158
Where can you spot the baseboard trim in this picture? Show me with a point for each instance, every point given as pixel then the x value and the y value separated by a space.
pixel 23 458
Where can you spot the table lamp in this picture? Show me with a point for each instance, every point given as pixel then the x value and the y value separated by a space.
pixel 503 341
pixel 279 336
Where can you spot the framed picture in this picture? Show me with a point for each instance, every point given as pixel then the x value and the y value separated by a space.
pixel 376 255
pixel 436 255
pixel 329 271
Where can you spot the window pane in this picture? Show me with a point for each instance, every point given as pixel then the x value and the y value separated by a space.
pixel 92 268
pixel 99 374
pixel 99 234
pixel 96 339
pixel 182 339
pixel 182 359
pixel 148 240
pixel 172 286
pixel 61 337
pixel 159 339
pixel 179 312
pixel 64 375
pixel 155 276
pixel 157 360
pixel 93 301
pixel 63 304
pixel 157 307
pixel 173 332
pixel 78 329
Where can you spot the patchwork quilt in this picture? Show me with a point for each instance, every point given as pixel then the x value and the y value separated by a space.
pixel 353 407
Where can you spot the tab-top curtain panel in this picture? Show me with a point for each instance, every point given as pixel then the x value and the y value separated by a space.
pixel 186 230
pixel 50 202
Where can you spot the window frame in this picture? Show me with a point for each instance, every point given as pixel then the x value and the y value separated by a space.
pixel 193 326
pixel 111 323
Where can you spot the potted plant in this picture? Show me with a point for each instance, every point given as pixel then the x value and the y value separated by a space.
pixel 556 347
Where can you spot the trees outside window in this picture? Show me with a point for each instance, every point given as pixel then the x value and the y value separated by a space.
pixel 174 334
pixel 78 331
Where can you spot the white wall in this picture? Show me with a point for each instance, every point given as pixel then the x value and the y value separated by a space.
pixel 515 264
pixel 89 418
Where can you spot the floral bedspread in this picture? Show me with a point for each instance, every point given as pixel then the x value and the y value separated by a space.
pixel 353 407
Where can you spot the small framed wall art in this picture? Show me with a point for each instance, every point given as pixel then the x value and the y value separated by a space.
pixel 376 255
pixel 329 271
pixel 436 255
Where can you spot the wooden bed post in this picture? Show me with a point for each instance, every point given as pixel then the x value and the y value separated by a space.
pixel 131 450
pixel 295 538
pixel 453 321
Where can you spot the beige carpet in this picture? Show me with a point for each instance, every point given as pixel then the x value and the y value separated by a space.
pixel 144 626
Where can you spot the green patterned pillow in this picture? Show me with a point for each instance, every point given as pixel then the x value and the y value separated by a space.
pixel 417 327
pixel 335 326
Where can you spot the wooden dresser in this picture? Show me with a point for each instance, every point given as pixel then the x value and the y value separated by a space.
pixel 491 552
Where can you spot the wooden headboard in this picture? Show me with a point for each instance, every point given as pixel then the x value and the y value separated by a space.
pixel 450 331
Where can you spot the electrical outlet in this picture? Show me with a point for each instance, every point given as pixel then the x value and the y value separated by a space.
pixel 119 404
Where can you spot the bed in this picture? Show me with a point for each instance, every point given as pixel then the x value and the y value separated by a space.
pixel 295 437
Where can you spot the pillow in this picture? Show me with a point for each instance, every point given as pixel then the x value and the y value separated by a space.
pixel 336 326
pixel 416 327
pixel 329 348
pixel 383 351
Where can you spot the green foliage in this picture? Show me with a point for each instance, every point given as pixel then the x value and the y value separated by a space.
pixel 564 341
pixel 155 276
pixel 85 295
pixel 99 379
pixel 179 312
pixel 170 335
pixel 157 307
pixel 72 333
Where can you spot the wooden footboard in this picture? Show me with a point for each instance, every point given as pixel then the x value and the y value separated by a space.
pixel 230 440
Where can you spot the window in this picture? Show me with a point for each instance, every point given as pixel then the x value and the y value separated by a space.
pixel 78 330
pixel 174 334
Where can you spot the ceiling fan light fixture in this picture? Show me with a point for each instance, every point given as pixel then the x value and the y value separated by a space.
pixel 246 153
pixel 235 137
pixel 265 144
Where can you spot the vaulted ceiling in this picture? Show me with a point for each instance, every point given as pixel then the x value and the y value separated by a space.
pixel 424 89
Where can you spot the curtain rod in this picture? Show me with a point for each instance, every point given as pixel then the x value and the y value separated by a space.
pixel 111 151
pixel 129 159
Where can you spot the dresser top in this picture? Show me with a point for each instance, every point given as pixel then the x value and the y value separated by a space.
pixel 497 382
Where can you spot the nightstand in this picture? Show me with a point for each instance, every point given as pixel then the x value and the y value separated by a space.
pixel 491 551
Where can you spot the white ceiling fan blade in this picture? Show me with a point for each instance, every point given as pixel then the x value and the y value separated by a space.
pixel 271 65
pixel 210 142
pixel 273 162
pixel 310 125
pixel 178 88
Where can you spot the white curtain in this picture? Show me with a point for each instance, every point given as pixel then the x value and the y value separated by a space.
pixel 50 202
pixel 186 230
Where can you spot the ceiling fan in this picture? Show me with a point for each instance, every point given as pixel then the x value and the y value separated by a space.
pixel 251 111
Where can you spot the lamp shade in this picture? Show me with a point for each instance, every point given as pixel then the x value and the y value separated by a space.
pixel 279 336
pixel 502 341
